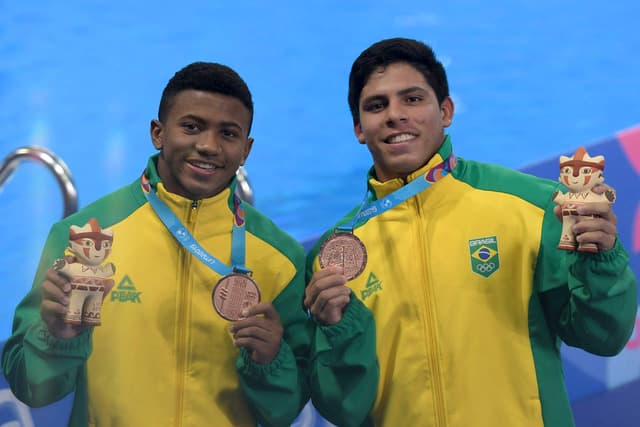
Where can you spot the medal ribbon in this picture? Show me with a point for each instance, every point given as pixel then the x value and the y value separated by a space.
pixel 184 237
pixel 371 208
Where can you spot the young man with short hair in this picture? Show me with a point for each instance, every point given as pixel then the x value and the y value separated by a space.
pixel 456 262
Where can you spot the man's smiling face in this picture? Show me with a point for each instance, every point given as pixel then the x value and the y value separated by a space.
pixel 202 143
pixel 401 121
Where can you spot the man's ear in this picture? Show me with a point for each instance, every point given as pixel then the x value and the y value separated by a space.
pixel 447 108
pixel 247 150
pixel 155 130
pixel 357 129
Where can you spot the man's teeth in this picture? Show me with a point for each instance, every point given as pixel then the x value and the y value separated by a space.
pixel 400 138
pixel 204 165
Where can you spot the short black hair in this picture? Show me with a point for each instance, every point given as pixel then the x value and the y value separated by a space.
pixel 208 77
pixel 390 51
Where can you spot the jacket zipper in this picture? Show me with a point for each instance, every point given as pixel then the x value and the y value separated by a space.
pixel 431 328
pixel 183 310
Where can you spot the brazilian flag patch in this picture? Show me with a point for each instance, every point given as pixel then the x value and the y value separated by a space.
pixel 484 255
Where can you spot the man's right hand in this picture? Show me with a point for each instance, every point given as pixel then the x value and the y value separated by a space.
pixel 56 291
pixel 327 295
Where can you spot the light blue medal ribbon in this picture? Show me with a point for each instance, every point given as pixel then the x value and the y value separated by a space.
pixel 371 208
pixel 184 237
pixel 344 243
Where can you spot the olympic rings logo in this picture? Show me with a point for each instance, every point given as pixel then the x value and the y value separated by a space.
pixel 486 268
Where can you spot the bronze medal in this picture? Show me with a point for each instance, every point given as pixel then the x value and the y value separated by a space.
pixel 233 293
pixel 346 250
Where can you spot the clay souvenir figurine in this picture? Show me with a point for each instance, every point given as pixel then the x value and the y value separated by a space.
pixel 90 245
pixel 579 173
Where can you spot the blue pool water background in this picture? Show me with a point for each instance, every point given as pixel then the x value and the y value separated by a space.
pixel 530 80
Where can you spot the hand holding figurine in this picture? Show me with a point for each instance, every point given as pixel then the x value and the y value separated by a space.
pixel 588 222
pixel 89 280
pixel 56 290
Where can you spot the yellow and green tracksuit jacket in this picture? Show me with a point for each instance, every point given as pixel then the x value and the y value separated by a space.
pixel 471 300
pixel 163 356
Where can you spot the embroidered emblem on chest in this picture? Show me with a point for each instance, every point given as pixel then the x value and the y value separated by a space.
pixel 484 256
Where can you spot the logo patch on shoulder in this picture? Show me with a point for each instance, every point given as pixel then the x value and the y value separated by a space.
pixel 484 256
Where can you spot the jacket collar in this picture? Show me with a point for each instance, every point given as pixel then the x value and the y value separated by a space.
pixel 380 189
pixel 180 202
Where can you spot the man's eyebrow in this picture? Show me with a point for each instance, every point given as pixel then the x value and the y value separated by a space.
pixel 412 89
pixel 230 123
pixel 192 117
pixel 401 92
pixel 227 123
pixel 376 97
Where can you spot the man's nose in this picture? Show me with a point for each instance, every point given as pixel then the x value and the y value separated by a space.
pixel 208 143
pixel 396 112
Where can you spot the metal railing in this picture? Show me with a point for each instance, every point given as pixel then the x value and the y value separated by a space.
pixel 53 163
pixel 243 187
pixel 65 181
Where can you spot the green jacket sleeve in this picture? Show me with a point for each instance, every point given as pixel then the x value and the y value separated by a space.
pixel 344 369
pixel 596 310
pixel 343 362
pixel 40 368
pixel 589 299
pixel 277 392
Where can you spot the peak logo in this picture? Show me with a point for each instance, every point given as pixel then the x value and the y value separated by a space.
pixel 373 285
pixel 126 292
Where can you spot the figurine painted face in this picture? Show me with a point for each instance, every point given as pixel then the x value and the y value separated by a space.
pixel 90 243
pixel 581 172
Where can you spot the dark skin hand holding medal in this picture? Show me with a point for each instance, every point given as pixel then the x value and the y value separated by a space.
pixel 259 332
pixel 256 325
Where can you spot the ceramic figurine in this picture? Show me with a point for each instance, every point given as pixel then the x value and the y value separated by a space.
pixel 579 173
pixel 90 245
